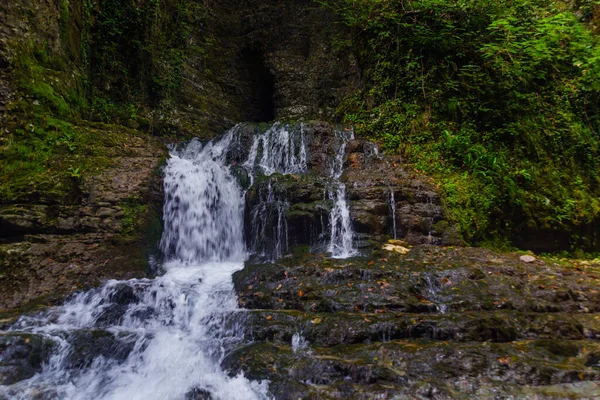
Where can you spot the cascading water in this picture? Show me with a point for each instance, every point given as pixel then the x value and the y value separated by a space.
pixel 393 207
pixel 165 338
pixel 281 149
pixel 162 338
pixel 340 244
pixel 269 230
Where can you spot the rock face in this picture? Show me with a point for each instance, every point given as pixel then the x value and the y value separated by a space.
pixel 434 323
pixel 50 246
pixel 385 201
pixel 242 61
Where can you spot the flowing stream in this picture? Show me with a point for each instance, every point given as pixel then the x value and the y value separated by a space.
pixel 341 242
pixel 168 335
pixel 165 338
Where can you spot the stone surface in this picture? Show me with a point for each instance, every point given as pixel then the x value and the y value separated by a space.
pixel 434 323
pixel 396 248
pixel 21 356
pixel 50 247
pixel 527 259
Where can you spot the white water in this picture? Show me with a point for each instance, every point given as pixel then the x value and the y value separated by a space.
pixel 269 228
pixel 178 326
pixel 282 150
pixel 163 338
pixel 393 207
pixel 340 244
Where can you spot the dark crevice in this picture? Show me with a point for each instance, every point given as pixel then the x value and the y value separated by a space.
pixel 261 107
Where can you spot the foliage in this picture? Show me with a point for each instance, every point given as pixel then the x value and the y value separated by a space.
pixel 500 100
pixel 112 60
pixel 139 50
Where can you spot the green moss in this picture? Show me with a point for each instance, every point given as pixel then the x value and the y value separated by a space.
pixel 133 218
pixel 64 17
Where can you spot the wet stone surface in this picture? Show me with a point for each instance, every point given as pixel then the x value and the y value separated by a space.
pixel 434 323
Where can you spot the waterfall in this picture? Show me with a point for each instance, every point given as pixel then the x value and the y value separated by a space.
pixel 165 338
pixel 393 207
pixel 280 149
pixel 340 244
pixel 268 226
pixel 283 149
pixel 160 338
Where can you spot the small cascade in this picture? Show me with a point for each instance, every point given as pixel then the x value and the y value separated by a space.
pixel 432 292
pixel 393 208
pixel 299 343
pixel 281 149
pixel 430 238
pixel 341 243
pixel 165 338
pixel 268 226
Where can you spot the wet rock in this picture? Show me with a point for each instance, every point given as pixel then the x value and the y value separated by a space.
pixel 123 294
pixel 198 394
pixel 441 322
pixel 527 258
pixel 22 356
pixel 372 183
pixel 89 344
pixel 404 368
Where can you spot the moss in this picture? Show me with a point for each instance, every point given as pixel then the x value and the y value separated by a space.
pixel 64 17
pixel 509 135
pixel 133 218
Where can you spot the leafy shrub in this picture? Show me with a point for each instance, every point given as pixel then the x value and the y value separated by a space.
pixel 500 100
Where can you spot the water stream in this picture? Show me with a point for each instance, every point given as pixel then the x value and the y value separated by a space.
pixel 165 338
pixel 283 149
pixel 393 208
pixel 341 241
pixel 167 335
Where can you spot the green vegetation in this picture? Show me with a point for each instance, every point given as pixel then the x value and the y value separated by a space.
pixel 115 61
pixel 134 212
pixel 499 101
pixel 138 52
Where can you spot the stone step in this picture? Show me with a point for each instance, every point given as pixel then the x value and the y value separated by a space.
pixel 332 329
